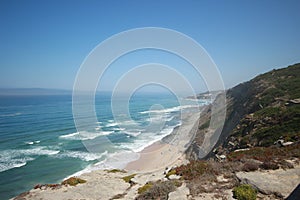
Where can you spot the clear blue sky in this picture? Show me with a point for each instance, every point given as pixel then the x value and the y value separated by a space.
pixel 43 43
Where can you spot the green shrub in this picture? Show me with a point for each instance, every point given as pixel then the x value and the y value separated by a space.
pixel 244 192
pixel 194 169
pixel 73 181
pixel 158 190
pixel 127 179
pixel 116 171
pixel 205 125
pixel 171 172
pixel 145 188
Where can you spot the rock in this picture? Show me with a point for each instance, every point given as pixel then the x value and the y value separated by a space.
pixel 174 177
pixel 281 182
pixel 220 157
pixel 237 150
pixel 180 193
pixel 231 143
pixel 222 179
pixel 287 143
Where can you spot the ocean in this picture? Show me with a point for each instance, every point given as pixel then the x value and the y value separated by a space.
pixel 39 143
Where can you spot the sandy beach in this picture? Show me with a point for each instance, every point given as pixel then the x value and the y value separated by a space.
pixel 163 154
pixel 154 159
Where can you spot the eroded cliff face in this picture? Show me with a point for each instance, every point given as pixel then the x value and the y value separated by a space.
pixel 259 113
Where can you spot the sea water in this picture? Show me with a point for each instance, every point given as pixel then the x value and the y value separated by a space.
pixel 40 144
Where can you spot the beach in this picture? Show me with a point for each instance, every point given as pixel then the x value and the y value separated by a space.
pixel 151 165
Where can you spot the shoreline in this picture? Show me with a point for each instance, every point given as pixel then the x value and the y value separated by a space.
pixel 169 150
pixel 166 148
pixel 150 166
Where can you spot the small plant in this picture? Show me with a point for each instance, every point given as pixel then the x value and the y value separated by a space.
pixel 73 181
pixel 157 190
pixel 116 171
pixel 250 166
pixel 269 166
pixel 171 172
pixel 195 169
pixel 145 188
pixel 127 179
pixel 244 192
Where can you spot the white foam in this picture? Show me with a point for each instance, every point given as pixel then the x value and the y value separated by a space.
pixel 19 157
pixel 162 117
pixel 169 110
pixel 86 156
pixel 33 142
pixel 117 160
pixel 11 114
pixel 84 135
pixel 13 163
pixel 134 133
pixel 30 143
pixel 118 129
pixel 69 135
pixel 147 139
pixel 38 151
pixel 112 124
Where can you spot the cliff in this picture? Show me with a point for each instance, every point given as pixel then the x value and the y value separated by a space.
pixel 261 112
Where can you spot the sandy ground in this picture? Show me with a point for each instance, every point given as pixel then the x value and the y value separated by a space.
pixel 160 155
pixel 150 166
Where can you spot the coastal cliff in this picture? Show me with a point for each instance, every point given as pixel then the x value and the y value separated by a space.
pixel 260 137
pixel 260 112
pixel 256 156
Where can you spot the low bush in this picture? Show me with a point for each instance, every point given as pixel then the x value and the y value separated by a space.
pixel 171 172
pixel 195 169
pixel 73 181
pixel 116 171
pixel 144 188
pixel 269 166
pixel 159 190
pixel 127 179
pixel 244 192
pixel 250 166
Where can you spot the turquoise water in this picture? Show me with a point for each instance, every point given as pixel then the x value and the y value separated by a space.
pixel 39 142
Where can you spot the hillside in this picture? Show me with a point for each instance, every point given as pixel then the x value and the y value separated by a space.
pixel 259 112
pixel 259 143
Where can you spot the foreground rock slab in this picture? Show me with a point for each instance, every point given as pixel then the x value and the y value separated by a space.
pixel 99 185
pixel 280 182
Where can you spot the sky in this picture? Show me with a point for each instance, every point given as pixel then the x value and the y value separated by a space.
pixel 43 43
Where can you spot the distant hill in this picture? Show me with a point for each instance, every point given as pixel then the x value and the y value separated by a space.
pixel 259 112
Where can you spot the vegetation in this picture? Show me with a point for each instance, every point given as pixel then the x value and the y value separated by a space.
pixel 73 181
pixel 205 125
pixel 265 154
pixel 116 171
pixel 127 179
pixel 244 192
pixel 262 111
pixel 144 188
pixel 194 169
pixel 171 172
pixel 157 190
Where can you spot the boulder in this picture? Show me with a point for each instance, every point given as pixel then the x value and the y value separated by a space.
pixel 280 182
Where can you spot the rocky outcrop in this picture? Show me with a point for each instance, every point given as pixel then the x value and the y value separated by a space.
pixel 279 182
